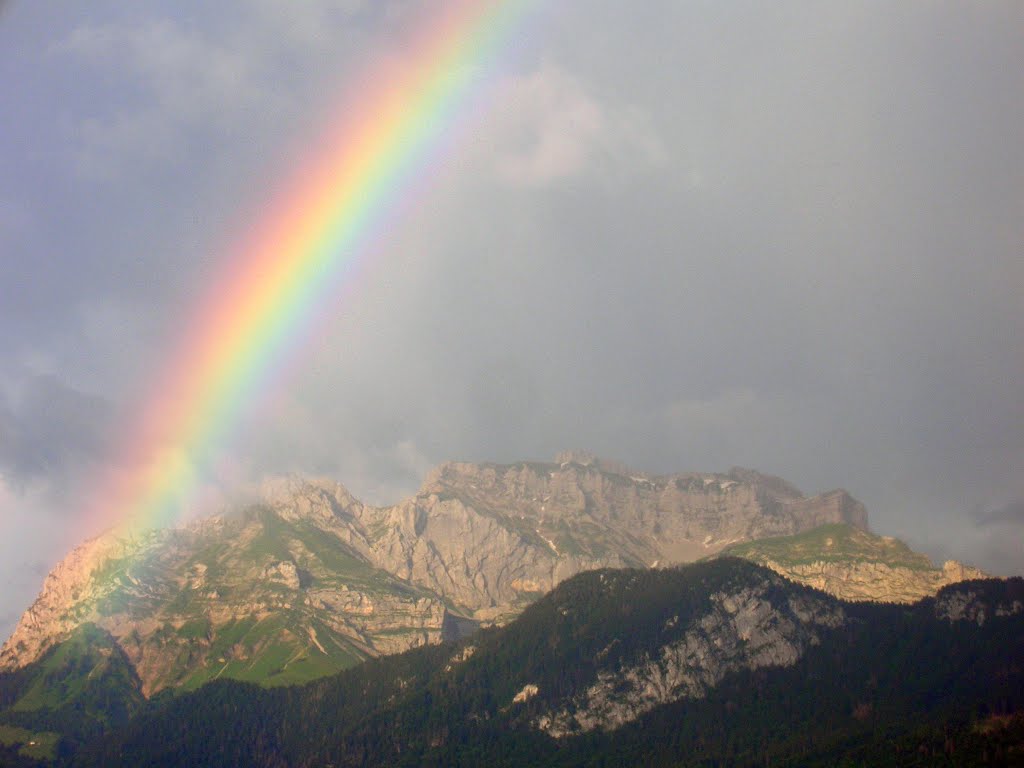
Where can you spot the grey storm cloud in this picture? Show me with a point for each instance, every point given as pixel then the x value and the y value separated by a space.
pixel 1009 513
pixel 682 236
pixel 50 432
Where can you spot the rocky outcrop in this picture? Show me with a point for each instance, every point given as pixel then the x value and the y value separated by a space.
pixel 877 582
pixel 318 580
pixel 490 538
pixel 977 605
pixel 745 628
pixel 605 514
pixel 68 590
pixel 855 564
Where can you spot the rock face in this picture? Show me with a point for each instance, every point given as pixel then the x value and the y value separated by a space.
pixel 61 605
pixel 312 580
pixel 258 598
pixel 746 627
pixel 975 606
pixel 854 564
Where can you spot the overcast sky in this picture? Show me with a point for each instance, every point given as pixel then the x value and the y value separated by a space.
pixel 684 235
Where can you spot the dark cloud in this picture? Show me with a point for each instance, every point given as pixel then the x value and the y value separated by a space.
pixel 689 237
pixel 1012 513
pixel 50 432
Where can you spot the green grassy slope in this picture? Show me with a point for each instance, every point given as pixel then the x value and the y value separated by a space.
pixel 256 599
pixel 79 688
pixel 835 543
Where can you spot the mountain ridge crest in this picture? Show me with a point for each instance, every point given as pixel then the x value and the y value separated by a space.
pixel 317 579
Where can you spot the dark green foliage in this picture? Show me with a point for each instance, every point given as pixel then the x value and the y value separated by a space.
pixel 896 686
pixel 78 689
pixel 11 757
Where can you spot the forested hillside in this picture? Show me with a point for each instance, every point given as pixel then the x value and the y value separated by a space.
pixel 792 677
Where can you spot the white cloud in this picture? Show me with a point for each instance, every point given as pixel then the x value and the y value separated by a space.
pixel 548 125
pixel 182 83
pixel 311 24
pixel 165 82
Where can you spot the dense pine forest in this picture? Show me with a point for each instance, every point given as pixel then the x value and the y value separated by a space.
pixel 895 685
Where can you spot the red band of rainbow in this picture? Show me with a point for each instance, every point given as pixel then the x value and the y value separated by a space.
pixel 315 232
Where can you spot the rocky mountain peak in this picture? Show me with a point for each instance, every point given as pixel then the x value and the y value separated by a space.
pixel 587 459
pixel 313 576
pixel 295 497
pixel 776 486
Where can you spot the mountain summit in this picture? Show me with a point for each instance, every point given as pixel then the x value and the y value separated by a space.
pixel 311 580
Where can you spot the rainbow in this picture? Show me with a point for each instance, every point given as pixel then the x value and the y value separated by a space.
pixel 340 202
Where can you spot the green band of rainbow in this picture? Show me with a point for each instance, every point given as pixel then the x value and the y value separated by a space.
pixel 327 218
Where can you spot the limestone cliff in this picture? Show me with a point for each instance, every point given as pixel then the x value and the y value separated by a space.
pixel 853 564
pixel 256 597
pixel 749 625
pixel 488 539
pixel 312 580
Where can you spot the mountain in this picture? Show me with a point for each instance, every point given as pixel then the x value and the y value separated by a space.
pixel 263 596
pixel 718 663
pixel 854 564
pixel 310 580
pixel 77 689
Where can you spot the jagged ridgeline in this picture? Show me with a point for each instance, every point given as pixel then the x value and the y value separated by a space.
pixel 311 581
pixel 717 663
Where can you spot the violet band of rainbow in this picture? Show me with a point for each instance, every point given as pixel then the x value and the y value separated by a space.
pixel 314 234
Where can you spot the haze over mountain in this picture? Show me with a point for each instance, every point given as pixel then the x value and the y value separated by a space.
pixel 312 581
pixel 785 237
